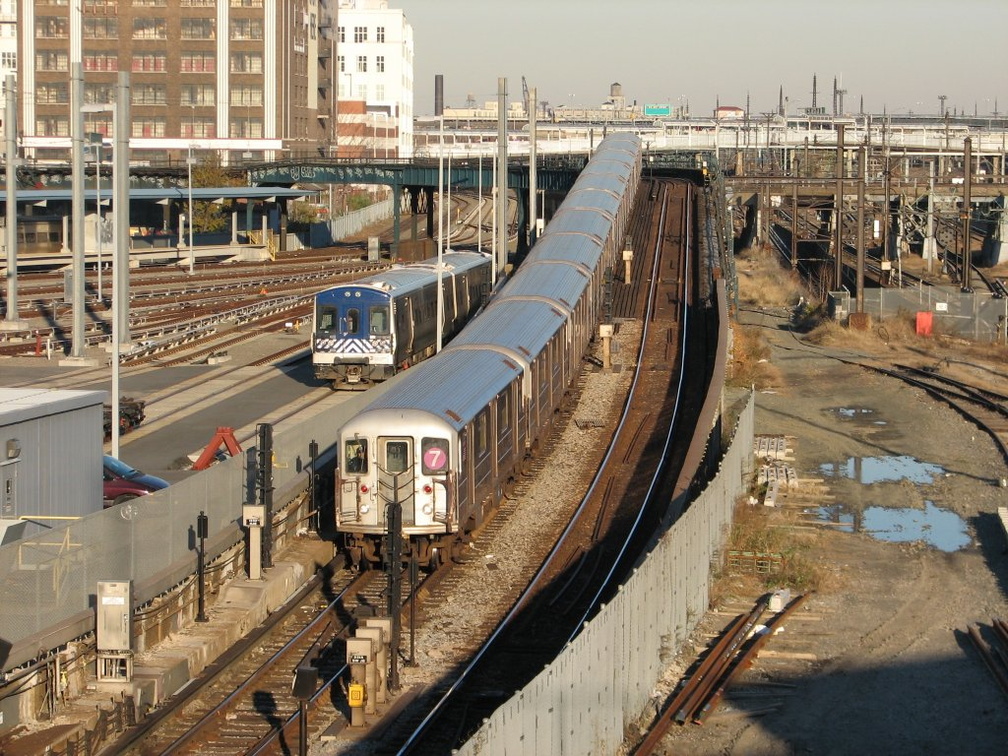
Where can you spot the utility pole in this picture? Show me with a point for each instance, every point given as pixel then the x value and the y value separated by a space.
pixel 838 211
pixel 967 259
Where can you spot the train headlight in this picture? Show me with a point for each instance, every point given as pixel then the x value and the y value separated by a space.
pixel 365 508
pixel 427 509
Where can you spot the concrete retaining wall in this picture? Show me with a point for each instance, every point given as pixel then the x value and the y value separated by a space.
pixel 601 683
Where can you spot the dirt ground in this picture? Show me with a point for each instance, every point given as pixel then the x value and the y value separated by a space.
pixel 877 660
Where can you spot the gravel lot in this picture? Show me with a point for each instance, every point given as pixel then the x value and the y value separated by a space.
pixel 877 660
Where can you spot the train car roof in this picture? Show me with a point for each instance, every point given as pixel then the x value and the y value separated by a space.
pixel 583 221
pixel 401 279
pixel 567 247
pixel 520 325
pixel 555 278
pixel 453 386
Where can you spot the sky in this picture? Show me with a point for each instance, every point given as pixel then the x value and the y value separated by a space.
pixel 898 55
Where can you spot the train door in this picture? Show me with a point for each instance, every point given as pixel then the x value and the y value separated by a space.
pixel 407 324
pixel 396 475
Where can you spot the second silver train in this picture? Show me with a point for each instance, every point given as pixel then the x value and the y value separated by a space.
pixel 452 437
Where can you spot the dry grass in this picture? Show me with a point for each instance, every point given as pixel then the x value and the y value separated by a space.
pixel 762 280
pixel 750 365
pixel 761 529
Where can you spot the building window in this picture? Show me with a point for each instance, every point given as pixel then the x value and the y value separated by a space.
pixel 246 62
pixel 99 93
pixel 379 92
pixel 150 3
pixel 51 60
pixel 152 63
pixel 101 28
pixel 380 33
pixel 246 128
pixel 199 3
pixel 99 123
pixel 380 64
pixel 362 64
pixel 52 94
pixel 246 28
pixel 8 60
pixel 150 28
pixel 246 96
pixel 246 3
pixel 52 126
pixel 362 92
pixel 101 62
pixel 341 33
pixel 360 34
pixel 197 62
pixel 197 28
pixel 198 94
pixel 151 127
pixel 52 27
pixel 148 94
pixel 198 128
pixel 341 63
pixel 100 6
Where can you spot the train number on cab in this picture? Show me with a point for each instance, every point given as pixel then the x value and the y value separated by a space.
pixel 435 455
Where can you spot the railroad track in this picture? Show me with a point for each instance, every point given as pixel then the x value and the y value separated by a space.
pixel 169 308
pixel 243 702
pixel 986 409
pixel 612 523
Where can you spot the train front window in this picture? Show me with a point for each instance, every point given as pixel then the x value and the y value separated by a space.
pixel 356 456
pixel 379 321
pixel 351 321
pixel 396 456
pixel 325 318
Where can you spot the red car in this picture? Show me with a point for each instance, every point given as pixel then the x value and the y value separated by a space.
pixel 121 482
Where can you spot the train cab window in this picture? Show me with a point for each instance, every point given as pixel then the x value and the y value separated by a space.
pixel 396 456
pixel 356 456
pixel 351 321
pixel 325 319
pixel 434 456
pixel 379 321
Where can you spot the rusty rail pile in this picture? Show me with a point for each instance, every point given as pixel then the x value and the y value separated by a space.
pixel 995 656
pixel 734 652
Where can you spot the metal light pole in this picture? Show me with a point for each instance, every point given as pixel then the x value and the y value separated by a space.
pixel 440 244
pixel 192 252
pixel 98 234
pixel 11 321
pixel 189 163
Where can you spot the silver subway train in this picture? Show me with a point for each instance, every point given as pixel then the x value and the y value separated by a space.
pixel 451 438
pixel 368 330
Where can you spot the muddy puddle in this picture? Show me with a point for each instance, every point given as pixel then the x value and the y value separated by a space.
pixel 937 527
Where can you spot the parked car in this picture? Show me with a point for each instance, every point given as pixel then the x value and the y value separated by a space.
pixel 120 482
